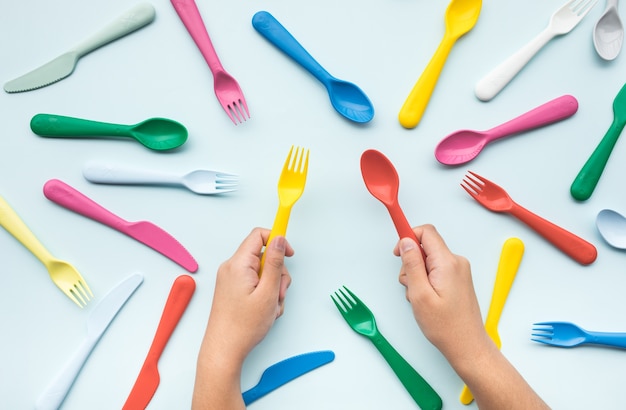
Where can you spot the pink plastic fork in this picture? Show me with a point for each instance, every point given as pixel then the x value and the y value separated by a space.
pixel 227 89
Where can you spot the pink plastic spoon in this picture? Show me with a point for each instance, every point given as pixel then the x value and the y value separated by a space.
pixel 382 181
pixel 464 145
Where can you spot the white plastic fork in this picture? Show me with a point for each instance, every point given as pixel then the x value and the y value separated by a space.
pixel 562 22
pixel 201 181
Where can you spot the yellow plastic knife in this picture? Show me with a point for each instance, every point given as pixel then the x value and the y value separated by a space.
pixel 510 259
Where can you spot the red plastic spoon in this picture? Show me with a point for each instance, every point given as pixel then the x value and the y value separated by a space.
pixel 381 179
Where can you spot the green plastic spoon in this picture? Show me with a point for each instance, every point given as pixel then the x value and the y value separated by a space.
pixel 589 175
pixel 159 134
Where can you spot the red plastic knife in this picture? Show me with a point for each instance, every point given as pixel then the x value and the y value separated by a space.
pixel 148 379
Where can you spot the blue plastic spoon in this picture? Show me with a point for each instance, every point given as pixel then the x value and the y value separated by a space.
pixel 348 99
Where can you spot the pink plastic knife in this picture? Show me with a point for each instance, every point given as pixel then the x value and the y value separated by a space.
pixel 148 378
pixel 145 232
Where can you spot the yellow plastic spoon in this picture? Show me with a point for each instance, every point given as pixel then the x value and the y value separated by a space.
pixel 510 259
pixel 461 16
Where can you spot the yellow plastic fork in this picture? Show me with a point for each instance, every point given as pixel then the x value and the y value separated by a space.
pixel 290 188
pixel 64 275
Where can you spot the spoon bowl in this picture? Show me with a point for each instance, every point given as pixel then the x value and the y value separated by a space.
pixel 612 227
pixel 346 98
pixel 608 33
pixel 159 134
pixel 380 177
pixel 349 100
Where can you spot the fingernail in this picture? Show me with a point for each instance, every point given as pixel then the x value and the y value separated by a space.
pixel 279 243
pixel 406 244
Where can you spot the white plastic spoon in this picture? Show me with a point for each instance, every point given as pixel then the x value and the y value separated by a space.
pixel 612 227
pixel 608 33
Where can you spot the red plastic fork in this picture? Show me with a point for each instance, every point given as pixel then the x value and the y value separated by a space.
pixel 496 199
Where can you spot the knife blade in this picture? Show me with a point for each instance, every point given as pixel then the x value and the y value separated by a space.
pixel 64 65
pixel 285 371
pixel 148 378
pixel 99 320
pixel 510 260
pixel 143 231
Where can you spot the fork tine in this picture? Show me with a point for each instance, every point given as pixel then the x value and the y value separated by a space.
pixel 338 301
pixel 581 7
pixel 236 108
pixel 225 175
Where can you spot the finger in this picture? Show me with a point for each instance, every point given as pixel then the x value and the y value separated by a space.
pixel 253 243
pixel 274 265
pixel 430 239
pixel 412 265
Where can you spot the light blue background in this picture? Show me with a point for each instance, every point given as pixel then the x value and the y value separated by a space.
pixel 341 234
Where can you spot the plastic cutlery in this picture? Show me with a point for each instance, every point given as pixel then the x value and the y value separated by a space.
pixel 285 371
pixel 64 65
pixel 510 260
pixel 159 134
pixel 143 231
pixel 99 320
pixel 290 188
pixel 565 334
pixel 608 33
pixel 496 199
pixel 226 88
pixel 382 181
pixel 461 16
pixel 588 177
pixel 361 319
pixel 562 22
pixel 347 99
pixel 612 227
pixel 63 274
pixel 465 145
pixel 148 379
pixel 200 181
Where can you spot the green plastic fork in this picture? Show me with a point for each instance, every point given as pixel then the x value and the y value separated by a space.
pixel 362 321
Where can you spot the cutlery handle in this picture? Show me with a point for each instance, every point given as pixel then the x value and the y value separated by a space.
pixel 103 173
pixel 279 228
pixel 62 194
pixel 53 396
pixel 415 104
pixel 49 125
pixel 575 247
pixel 180 294
pixel 278 35
pixel 510 259
pixel 607 339
pixel 490 85
pixel 134 19
pixel 402 225
pixel 589 176
pixel 11 221
pixel 552 111
pixel 189 14
pixel 419 389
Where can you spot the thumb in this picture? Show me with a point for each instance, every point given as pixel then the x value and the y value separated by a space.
pixel 274 262
pixel 413 263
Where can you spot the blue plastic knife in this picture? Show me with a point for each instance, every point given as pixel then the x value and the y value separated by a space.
pixel 285 371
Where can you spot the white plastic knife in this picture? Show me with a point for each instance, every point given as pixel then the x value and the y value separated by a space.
pixel 99 320
pixel 64 65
